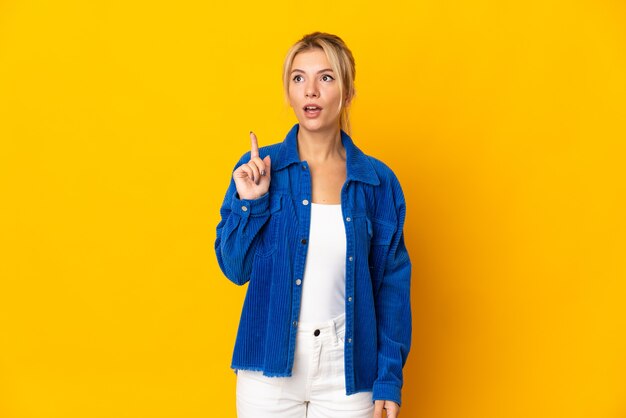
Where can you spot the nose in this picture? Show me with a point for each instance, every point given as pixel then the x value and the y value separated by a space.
pixel 311 90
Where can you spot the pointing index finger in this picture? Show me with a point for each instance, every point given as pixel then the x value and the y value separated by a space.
pixel 255 145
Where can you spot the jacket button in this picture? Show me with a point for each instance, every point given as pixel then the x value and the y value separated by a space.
pixel 295 323
pixel 303 240
pixel 350 299
pixel 349 340
pixel 305 202
pixel 244 208
pixel 298 282
pixel 350 258
pixel 348 219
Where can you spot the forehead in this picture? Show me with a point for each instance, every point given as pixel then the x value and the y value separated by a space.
pixel 310 60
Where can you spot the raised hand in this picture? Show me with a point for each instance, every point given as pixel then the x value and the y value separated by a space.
pixel 253 178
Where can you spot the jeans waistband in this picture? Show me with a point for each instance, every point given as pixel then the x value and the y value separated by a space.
pixel 335 327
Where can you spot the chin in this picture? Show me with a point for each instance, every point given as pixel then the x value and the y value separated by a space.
pixel 316 125
pixel 311 125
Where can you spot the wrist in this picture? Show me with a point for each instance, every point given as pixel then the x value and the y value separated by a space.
pixel 249 197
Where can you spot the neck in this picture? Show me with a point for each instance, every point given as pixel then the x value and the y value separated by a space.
pixel 320 147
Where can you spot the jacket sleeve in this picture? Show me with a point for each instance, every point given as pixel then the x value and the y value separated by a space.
pixel 237 232
pixel 393 309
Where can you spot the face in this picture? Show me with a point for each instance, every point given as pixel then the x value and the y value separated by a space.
pixel 314 91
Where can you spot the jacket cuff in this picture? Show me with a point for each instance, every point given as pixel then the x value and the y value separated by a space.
pixel 250 207
pixel 386 392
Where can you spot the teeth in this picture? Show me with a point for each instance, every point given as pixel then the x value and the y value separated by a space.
pixel 311 108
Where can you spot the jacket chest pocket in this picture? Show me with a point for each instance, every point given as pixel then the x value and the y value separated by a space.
pixel 270 233
pixel 380 234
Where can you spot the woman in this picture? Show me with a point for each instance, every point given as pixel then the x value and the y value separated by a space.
pixel 316 228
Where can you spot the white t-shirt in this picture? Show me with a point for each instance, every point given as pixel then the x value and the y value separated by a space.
pixel 324 281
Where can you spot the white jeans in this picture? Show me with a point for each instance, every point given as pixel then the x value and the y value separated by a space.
pixel 316 388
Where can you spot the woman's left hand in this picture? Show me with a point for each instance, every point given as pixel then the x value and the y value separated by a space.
pixel 392 408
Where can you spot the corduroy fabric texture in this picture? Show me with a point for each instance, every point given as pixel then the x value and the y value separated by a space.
pixel 263 242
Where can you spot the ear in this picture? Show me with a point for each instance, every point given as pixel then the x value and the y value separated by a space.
pixel 348 100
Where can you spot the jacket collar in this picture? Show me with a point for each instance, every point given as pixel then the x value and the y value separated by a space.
pixel 358 164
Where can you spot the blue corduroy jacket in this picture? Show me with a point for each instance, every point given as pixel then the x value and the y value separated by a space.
pixel 263 242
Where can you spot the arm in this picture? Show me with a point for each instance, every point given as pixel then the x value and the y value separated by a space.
pixel 237 232
pixel 393 310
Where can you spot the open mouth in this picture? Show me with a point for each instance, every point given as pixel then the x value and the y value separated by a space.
pixel 312 110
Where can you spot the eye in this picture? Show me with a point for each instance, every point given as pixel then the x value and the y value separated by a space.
pixel 297 78
pixel 327 77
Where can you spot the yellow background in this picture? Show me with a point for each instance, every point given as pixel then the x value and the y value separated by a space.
pixel 120 123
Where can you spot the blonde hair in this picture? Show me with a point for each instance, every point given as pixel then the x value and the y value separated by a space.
pixel 341 61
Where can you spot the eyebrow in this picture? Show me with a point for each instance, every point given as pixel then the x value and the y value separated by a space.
pixel 320 71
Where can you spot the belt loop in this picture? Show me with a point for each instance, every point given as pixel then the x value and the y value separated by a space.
pixel 338 322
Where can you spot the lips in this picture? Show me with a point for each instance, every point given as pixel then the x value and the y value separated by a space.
pixel 311 107
pixel 312 110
